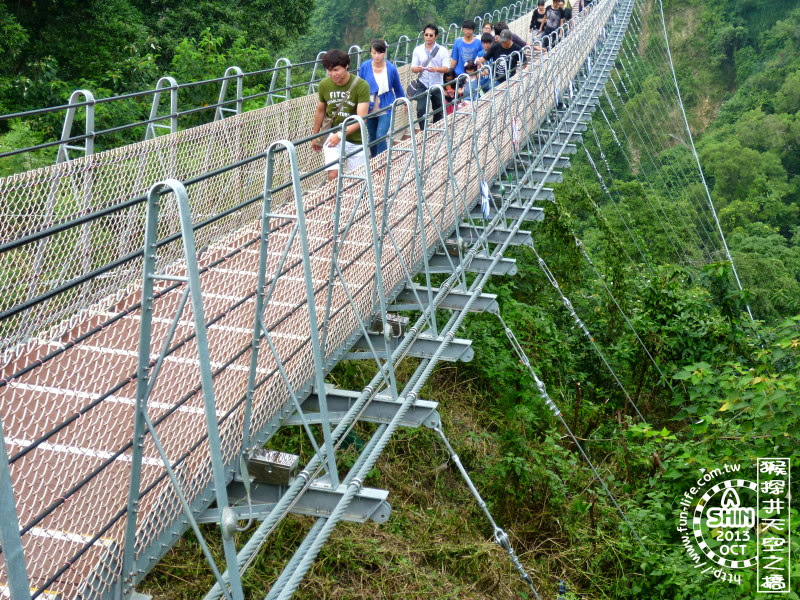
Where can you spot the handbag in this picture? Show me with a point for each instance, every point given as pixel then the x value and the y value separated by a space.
pixel 415 86
pixel 327 122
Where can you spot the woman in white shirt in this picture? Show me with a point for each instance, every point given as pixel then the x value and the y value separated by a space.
pixel 384 88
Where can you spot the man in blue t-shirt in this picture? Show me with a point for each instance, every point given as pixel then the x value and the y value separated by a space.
pixel 465 48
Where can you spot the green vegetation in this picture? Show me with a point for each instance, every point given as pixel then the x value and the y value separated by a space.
pixel 49 49
pixel 725 390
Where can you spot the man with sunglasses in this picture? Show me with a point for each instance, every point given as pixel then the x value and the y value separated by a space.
pixel 430 62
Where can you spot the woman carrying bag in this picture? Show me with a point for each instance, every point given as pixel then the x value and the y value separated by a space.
pixel 384 88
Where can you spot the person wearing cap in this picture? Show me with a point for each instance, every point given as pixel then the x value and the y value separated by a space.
pixel 498 29
pixel 505 52
pixel 465 48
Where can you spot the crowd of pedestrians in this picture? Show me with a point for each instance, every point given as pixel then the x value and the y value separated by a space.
pixel 473 67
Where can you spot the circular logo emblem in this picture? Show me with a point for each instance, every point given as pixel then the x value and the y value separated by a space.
pixel 724 523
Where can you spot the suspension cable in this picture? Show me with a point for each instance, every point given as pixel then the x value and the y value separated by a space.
pixel 582 326
pixel 554 409
pixel 614 203
pixel 500 537
pixel 697 159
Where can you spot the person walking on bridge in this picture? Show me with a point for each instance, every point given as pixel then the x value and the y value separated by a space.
pixel 341 94
pixel 430 62
pixel 505 53
pixel 465 49
pixel 384 88
pixel 537 19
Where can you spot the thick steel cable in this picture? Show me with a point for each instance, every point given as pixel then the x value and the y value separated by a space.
pixel 500 537
pixel 312 534
pixel 582 326
pixel 697 158
pixel 554 409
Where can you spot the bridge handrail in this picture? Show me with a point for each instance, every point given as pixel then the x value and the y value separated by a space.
pixel 306 70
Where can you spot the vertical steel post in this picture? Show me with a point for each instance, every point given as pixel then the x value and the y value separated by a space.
pixel 230 73
pixel 377 239
pixel 420 216
pixel 198 313
pixel 355 49
pixel 318 357
pixel 66 130
pixel 63 156
pixel 142 380
pixel 162 84
pixel 13 554
pixel 272 95
pixel 404 41
pixel 313 83
pixel 453 30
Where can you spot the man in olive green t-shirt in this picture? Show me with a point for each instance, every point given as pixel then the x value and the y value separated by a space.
pixel 343 94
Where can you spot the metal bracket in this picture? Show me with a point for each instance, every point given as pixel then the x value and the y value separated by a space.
pixel 559 162
pixel 565 149
pixel 498 235
pixel 441 263
pixel 381 409
pixel 423 347
pixel 514 212
pixel 559 137
pixel 454 300
pixel 569 124
pixel 529 193
pixel 551 177
pixel 319 500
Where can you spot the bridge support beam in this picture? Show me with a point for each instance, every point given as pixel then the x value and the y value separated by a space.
pixel 498 235
pixel 514 212
pixel 440 263
pixel 318 500
pixel 381 409
pixel 416 298
pixel 423 347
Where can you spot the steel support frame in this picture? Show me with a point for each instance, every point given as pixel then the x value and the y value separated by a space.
pixel 317 501
pixel 146 376
pixel 313 542
pixel 494 262
pixel 381 409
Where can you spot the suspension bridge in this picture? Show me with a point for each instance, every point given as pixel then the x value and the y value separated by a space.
pixel 169 305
